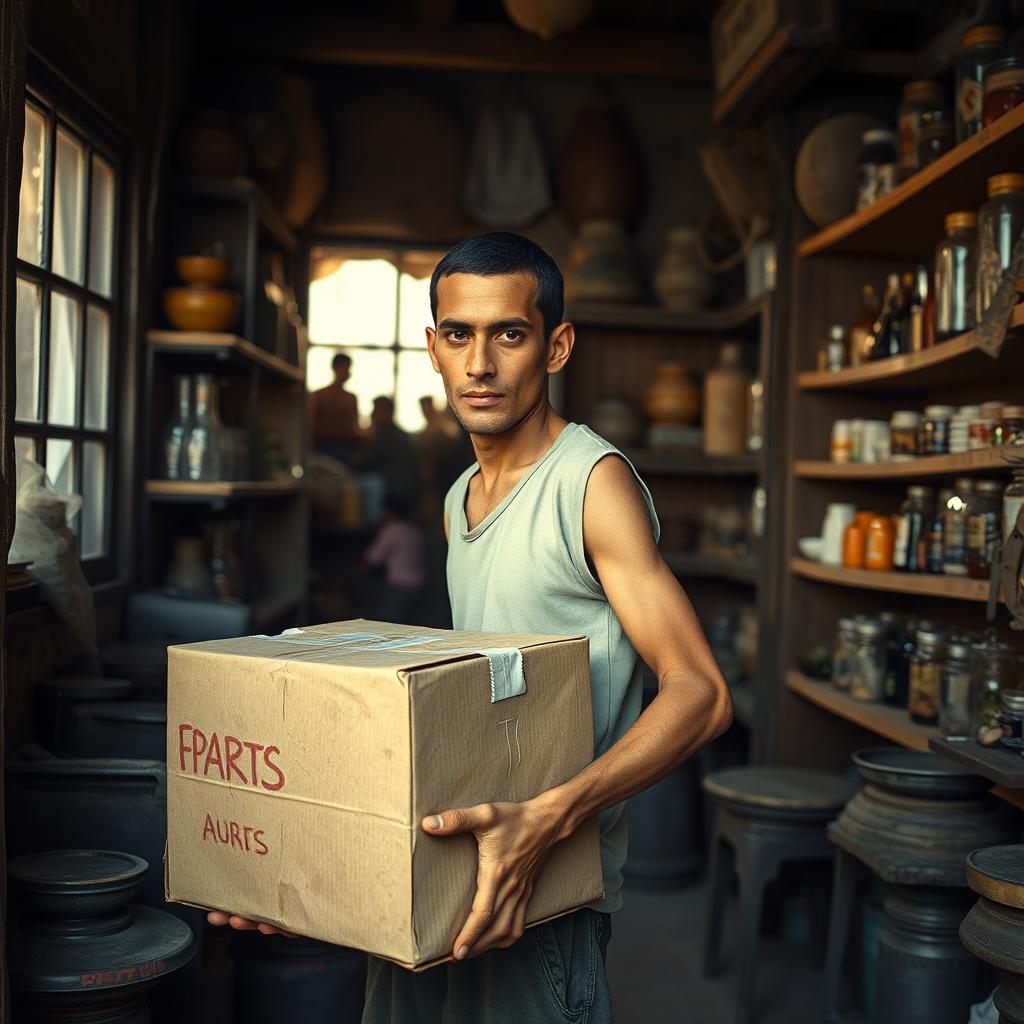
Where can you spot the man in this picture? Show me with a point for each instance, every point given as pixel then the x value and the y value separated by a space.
pixel 334 415
pixel 390 451
pixel 556 498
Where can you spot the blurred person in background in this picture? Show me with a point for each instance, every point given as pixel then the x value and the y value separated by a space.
pixel 334 415
pixel 389 452
pixel 398 549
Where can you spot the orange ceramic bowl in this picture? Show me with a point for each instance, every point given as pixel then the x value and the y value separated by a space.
pixel 201 309
pixel 208 271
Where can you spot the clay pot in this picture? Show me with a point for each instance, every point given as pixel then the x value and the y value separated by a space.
pixel 680 281
pixel 205 271
pixel 601 265
pixel 210 144
pixel 672 398
pixel 548 18
pixel 201 309
pixel 616 421
pixel 599 173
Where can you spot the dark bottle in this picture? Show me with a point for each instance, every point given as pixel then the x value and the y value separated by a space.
pixel 901 326
pixel 913 519
pixel 933 542
pixel 896 688
pixel 882 338
pixel 918 300
pixel 860 330
pixel 893 654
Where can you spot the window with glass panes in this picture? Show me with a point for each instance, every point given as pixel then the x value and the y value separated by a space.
pixel 373 304
pixel 67 316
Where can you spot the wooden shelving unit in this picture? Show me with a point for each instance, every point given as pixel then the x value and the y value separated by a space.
pixel 741 318
pixel 689 566
pixel 957 588
pixel 689 462
pixel 999 764
pixel 961 464
pixel 208 490
pixel 223 347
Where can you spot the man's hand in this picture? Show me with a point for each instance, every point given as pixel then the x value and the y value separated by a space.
pixel 243 924
pixel 513 841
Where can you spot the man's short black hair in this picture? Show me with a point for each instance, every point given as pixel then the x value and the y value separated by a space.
pixel 340 358
pixel 502 252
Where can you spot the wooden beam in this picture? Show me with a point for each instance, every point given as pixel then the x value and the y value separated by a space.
pixel 324 40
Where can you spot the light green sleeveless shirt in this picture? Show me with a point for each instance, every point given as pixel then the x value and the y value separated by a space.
pixel 523 570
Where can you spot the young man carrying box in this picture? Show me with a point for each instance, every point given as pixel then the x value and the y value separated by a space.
pixel 551 531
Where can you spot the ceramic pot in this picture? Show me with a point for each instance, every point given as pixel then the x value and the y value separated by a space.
pixel 672 398
pixel 599 173
pixel 601 265
pixel 210 144
pixel 548 18
pixel 616 421
pixel 680 281
pixel 189 573
pixel 202 309
pixel 202 271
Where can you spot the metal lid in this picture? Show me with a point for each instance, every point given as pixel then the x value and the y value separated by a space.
pixel 1013 412
pixel 939 412
pixel 906 417
pixel 1012 700
pixel 920 491
pixel 990 487
pixel 964 483
pixel 930 636
pixel 922 89
pixel 1000 183
pixel 869 628
pixel 961 219
pixel 983 35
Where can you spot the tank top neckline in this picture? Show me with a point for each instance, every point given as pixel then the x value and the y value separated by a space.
pixel 470 535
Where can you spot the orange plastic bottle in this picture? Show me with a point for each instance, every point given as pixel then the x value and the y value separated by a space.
pixel 853 546
pixel 878 548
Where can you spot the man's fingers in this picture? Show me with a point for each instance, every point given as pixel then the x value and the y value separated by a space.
pixel 460 819
pixel 217 917
pixel 507 926
pixel 480 916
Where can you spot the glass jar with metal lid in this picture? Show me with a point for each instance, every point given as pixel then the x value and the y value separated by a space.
pixel 1011 718
pixel 984 521
pixel 982 46
pixel 955 708
pixel 954 275
pixel 868 676
pixel 926 677
pixel 933 435
pixel 1000 222
pixel 918 97
pixel 993 669
pixel 876 165
pixel 1004 89
pixel 936 136
pixel 843 651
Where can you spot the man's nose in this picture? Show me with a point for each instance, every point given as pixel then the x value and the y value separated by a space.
pixel 478 360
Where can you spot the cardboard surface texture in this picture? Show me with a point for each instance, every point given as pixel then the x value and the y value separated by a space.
pixel 299 768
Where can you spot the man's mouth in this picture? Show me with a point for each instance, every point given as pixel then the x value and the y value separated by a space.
pixel 482 399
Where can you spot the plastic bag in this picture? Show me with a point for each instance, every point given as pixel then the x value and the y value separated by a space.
pixel 42 538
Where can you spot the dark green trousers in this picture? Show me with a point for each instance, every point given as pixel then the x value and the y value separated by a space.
pixel 554 973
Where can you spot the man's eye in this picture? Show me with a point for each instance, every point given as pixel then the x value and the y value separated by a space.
pixel 456 335
pixel 512 335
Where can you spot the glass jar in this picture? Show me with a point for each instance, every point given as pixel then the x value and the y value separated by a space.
pixel 842 653
pixel 177 431
pixel 1004 89
pixel 1011 718
pixel 982 45
pixel 868 674
pixel 1000 222
pixel 918 99
pixel 903 435
pixel 993 669
pixel 954 528
pixel 936 138
pixel 877 166
pixel 911 523
pixel 835 348
pixel 878 544
pixel 933 436
pixel 984 521
pixel 1012 424
pixel 955 709
pixel 981 434
pixel 925 692
pixel 1013 501
pixel 954 275
pixel 841 446
pixel 204 447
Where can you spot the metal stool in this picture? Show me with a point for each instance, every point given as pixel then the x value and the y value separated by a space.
pixel 769 817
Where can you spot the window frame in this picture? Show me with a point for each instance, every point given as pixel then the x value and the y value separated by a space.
pixel 65 110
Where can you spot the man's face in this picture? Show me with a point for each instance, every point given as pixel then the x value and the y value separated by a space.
pixel 490 349
pixel 342 371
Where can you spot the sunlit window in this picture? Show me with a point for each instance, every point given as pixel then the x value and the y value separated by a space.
pixel 374 305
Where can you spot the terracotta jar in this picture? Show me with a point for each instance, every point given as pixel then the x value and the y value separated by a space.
pixel 680 281
pixel 601 265
pixel 672 398
pixel 725 404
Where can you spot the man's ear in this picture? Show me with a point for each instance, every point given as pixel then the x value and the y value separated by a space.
pixel 431 341
pixel 560 346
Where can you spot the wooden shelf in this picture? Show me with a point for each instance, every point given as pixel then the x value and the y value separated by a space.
pixel 998 764
pixel 892 723
pixel 909 220
pixel 244 190
pixel 983 460
pixel 958 588
pixel 739 570
pixel 200 490
pixel 949 362
pixel 691 462
pixel 741 318
pixel 222 346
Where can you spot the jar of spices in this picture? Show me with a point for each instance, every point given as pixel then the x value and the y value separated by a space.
pixel 878 545
pixel 868 662
pixel 981 434
pixel 843 651
pixel 911 523
pixel 982 46
pixel 955 709
pixel 936 138
pixel 1011 718
pixel 1000 222
pixel 954 528
pixel 984 521
pixel 1004 89
pixel 1012 424
pixel 841 446
pixel 926 677
pixel 1013 501
pixel 903 437
pixel 918 98
pixel 933 437
pixel 877 166
pixel 954 275
pixel 959 428
pixel 993 670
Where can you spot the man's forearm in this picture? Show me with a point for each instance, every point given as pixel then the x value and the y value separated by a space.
pixel 686 714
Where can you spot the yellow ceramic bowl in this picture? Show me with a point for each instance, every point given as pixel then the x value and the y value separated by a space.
pixel 201 309
pixel 208 271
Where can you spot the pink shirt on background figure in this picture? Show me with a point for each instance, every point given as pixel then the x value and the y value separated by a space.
pixel 398 546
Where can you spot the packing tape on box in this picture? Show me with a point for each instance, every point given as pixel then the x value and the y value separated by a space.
pixel 508 679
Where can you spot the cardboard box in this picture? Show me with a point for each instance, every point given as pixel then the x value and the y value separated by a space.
pixel 299 768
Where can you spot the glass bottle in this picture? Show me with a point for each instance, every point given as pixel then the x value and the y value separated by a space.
pixel 926 677
pixel 937 136
pixel 984 521
pixel 177 430
pixel 955 710
pixel 860 329
pixel 914 516
pixel 842 653
pixel 982 45
pixel 954 528
pixel 1004 89
pixel 954 275
pixel 883 342
pixel 993 670
pixel 918 298
pixel 869 662
pixel 918 97
pixel 1013 501
pixel 1000 222
pixel 933 558
pixel 205 436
